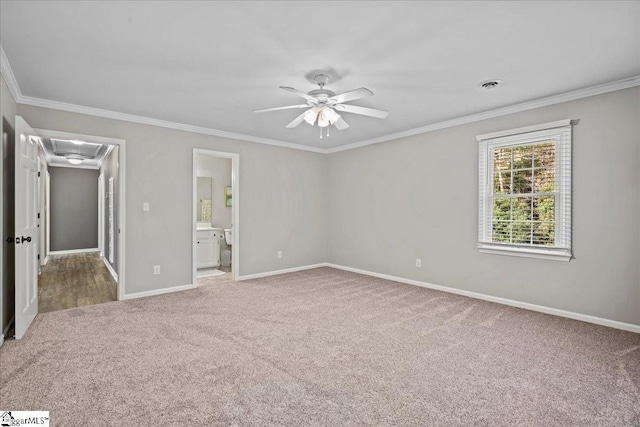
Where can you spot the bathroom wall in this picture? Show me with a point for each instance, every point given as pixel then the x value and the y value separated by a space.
pixel 74 208
pixel 220 170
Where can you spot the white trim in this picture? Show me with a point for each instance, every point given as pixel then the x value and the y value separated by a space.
pixel 46 260
pixel 101 225
pixel 122 186
pixel 525 252
pixel 526 129
pixel 524 106
pixel 235 206
pixel 55 134
pixel 513 303
pixel 286 270
pixel 47 248
pixel 111 270
pixel 157 292
pixel 73 108
pixel 9 77
pixel 516 108
pixel 74 251
pixel 561 133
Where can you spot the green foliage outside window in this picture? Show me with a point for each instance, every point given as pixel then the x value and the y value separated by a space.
pixel 523 194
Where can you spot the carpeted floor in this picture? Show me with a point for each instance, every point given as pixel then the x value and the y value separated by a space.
pixel 320 347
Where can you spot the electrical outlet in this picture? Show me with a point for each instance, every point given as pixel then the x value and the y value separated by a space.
pixel 145 206
pixel 156 269
pixel 418 262
pixel 279 254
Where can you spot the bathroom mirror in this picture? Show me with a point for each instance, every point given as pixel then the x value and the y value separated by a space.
pixel 205 196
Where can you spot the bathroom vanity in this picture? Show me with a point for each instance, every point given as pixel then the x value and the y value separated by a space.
pixel 208 246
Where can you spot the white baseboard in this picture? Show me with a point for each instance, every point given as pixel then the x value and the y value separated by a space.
pixel 276 272
pixel 46 260
pixel 542 309
pixel 74 251
pixel 111 270
pixel 157 292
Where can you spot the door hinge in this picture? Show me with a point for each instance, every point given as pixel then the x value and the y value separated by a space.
pixel 38 215
pixel 38 256
pixel 38 173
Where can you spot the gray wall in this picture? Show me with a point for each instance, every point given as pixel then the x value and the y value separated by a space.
pixel 416 197
pixel 220 170
pixel 380 207
pixel 7 251
pixel 282 202
pixel 110 170
pixel 74 208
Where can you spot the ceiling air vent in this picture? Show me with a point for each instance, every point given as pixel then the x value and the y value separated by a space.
pixel 490 84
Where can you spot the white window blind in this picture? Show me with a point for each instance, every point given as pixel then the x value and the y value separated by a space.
pixel 524 195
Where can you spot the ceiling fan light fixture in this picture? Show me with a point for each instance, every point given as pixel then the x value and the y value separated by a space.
pixel 311 115
pixel 329 115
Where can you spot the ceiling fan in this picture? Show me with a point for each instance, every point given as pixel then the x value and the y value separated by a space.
pixel 323 106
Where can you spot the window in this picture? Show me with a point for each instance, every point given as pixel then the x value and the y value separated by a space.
pixel 525 192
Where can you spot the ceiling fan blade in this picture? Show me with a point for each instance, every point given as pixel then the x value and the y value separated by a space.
pixel 341 124
pixel 296 121
pixel 297 92
pixel 361 110
pixel 352 95
pixel 282 108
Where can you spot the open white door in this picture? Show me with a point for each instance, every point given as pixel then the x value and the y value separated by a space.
pixel 26 223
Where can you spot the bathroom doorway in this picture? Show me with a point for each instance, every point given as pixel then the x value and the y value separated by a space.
pixel 215 219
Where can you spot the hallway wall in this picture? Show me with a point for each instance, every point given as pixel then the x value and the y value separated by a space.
pixel 74 208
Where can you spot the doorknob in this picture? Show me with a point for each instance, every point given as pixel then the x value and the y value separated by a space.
pixel 27 239
pixel 9 239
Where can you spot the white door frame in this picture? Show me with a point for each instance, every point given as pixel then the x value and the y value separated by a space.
pixel 101 214
pixel 47 202
pixel 42 210
pixel 235 205
pixel 47 133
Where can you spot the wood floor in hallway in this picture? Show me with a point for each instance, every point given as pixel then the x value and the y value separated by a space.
pixel 77 280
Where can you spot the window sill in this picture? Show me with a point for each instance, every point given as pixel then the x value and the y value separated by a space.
pixel 555 254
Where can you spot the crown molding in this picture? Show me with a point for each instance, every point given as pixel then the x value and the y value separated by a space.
pixel 8 75
pixel 7 72
pixel 516 108
pixel 108 114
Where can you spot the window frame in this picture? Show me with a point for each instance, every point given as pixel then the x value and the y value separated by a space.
pixel 561 133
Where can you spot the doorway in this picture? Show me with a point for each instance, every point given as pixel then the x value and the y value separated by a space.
pixel 33 204
pixel 216 216
pixel 82 214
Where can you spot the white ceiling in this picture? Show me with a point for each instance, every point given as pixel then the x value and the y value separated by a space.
pixel 209 64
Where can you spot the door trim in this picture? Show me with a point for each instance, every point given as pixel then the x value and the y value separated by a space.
pixel 122 186
pixel 101 214
pixel 235 184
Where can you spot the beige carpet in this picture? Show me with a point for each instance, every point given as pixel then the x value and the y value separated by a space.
pixel 321 347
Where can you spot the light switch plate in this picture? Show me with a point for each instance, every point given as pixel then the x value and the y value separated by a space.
pixel 145 206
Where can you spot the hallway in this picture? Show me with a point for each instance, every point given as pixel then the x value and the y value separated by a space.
pixel 77 280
